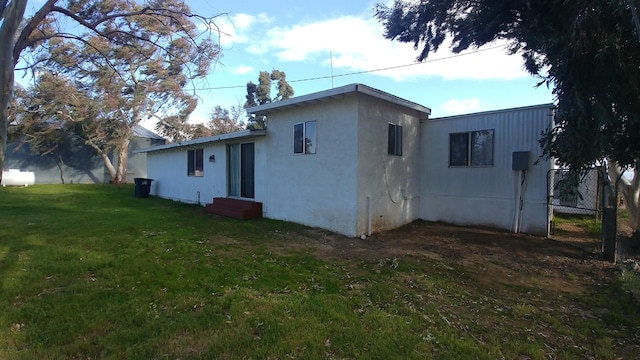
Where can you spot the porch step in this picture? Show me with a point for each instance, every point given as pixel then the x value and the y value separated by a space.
pixel 235 208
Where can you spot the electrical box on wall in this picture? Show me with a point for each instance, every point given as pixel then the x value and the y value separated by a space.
pixel 520 160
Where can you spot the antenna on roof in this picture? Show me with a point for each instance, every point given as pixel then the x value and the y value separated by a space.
pixel 331 56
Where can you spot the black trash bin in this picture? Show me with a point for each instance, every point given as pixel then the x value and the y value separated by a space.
pixel 143 187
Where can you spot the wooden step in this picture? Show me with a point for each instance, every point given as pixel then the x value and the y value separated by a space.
pixel 235 208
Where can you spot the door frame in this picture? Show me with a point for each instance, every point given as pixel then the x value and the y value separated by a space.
pixel 244 193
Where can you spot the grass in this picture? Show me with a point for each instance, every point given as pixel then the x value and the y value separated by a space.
pixel 588 223
pixel 92 272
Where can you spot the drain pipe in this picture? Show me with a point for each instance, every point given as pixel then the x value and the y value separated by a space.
pixel 520 163
pixel 369 215
pixel 198 197
pixel 518 204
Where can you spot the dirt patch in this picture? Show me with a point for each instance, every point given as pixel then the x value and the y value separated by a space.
pixel 568 262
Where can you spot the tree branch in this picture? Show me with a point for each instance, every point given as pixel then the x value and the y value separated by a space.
pixel 34 22
pixel 3 8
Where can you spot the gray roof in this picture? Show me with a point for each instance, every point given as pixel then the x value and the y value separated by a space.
pixel 141 131
pixel 491 112
pixel 334 93
pixel 206 140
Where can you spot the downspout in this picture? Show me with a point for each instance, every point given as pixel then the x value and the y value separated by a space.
pixel 523 194
pixel 369 215
pixel 518 207
pixel 520 195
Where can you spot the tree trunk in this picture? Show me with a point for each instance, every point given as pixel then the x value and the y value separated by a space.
pixel 13 16
pixel 105 159
pixel 61 166
pixel 630 191
pixel 123 157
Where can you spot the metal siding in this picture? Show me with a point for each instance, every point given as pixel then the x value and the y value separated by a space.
pixel 486 195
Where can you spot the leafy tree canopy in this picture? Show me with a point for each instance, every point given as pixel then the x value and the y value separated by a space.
pixel 260 94
pixel 587 50
pixel 136 56
pixel 221 121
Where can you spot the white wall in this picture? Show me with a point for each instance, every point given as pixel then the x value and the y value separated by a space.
pixel 388 185
pixel 486 196
pixel 316 189
pixel 168 169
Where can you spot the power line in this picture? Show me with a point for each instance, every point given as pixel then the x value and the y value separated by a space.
pixel 365 71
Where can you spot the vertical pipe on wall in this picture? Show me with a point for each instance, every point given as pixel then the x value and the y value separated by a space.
pixel 518 206
pixel 368 215
pixel 523 194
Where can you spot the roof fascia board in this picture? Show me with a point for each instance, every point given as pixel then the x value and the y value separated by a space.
pixel 343 90
pixel 491 112
pixel 206 140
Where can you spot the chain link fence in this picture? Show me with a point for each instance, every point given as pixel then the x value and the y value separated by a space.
pixel 581 195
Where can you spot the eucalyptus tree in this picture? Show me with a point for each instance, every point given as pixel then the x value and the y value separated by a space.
pixel 260 94
pixel 134 56
pixel 224 121
pixel 587 51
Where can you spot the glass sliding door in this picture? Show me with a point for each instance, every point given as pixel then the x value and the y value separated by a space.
pixel 247 170
pixel 241 170
pixel 233 151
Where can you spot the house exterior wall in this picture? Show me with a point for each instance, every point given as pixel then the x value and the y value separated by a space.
pixel 168 169
pixel 351 185
pixel 487 196
pixel 388 185
pixel 137 162
pixel 314 189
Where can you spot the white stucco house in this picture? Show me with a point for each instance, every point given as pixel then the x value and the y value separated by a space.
pixel 357 160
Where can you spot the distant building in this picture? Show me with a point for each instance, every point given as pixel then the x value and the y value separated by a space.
pixel 80 164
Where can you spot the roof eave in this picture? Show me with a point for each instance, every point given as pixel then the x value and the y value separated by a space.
pixel 206 140
pixel 336 92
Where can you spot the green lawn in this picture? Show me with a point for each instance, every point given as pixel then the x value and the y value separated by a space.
pixel 91 272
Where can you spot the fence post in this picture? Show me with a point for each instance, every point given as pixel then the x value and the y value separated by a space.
pixel 610 221
pixel 609 233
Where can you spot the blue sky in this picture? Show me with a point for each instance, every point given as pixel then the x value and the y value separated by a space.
pixel 305 38
pixel 312 40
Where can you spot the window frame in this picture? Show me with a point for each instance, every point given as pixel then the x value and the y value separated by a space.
pixel 394 139
pixel 195 162
pixel 304 134
pixel 471 155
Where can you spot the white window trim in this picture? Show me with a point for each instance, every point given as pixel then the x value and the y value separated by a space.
pixel 398 145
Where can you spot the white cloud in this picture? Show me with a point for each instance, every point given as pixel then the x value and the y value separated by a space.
pixel 457 106
pixel 357 44
pixel 241 70
pixel 239 28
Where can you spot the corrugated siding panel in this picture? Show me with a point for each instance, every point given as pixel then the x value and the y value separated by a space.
pixel 486 195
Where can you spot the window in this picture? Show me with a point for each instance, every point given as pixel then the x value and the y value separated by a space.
pixel 395 140
pixel 473 148
pixel 304 138
pixel 195 163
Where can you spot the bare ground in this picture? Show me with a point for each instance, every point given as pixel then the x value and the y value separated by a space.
pixel 485 254
pixel 562 267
